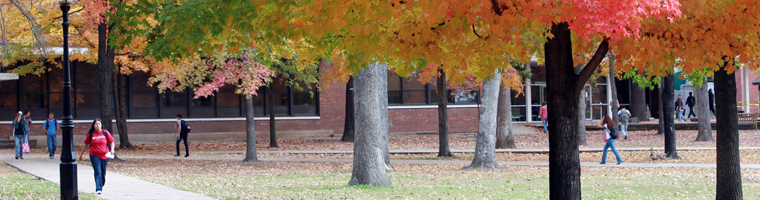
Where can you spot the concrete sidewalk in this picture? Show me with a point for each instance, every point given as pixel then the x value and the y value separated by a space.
pixel 450 162
pixel 117 186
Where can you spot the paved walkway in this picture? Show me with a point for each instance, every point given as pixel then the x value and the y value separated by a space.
pixel 117 187
pixel 448 162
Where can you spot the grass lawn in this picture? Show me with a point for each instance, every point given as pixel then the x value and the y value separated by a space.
pixel 235 180
pixel 15 184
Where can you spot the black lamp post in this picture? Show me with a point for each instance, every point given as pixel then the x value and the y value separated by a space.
pixel 68 166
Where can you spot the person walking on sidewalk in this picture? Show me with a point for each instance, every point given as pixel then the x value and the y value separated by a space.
pixel 18 134
pixel 544 115
pixel 691 101
pixel 711 100
pixel 51 128
pixel 679 109
pixel 101 146
pixel 182 130
pixel 610 134
pixel 624 114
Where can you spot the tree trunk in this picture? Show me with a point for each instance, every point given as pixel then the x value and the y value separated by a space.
pixel 582 118
pixel 638 102
pixel 613 87
pixel 705 127
pixel 443 116
pixel 250 131
pixel 369 164
pixel 485 145
pixel 729 178
pixel 272 130
pixel 563 89
pixel 383 94
pixel 121 109
pixel 668 124
pixel 661 129
pixel 505 138
pixel 348 126
pixel 105 69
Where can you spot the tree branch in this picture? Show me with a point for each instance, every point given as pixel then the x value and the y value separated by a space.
pixel 592 64
pixel 476 33
pixel 496 7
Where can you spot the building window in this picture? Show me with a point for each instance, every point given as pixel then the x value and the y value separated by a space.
pixel 409 91
pixel 144 98
pixel 87 87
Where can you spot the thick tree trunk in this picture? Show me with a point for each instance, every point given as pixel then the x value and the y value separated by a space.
pixel 250 132
pixel 505 138
pixel 485 145
pixel 582 118
pixel 121 110
pixel 386 123
pixel 613 87
pixel 443 116
pixel 348 126
pixel 563 89
pixel 105 67
pixel 638 102
pixel 705 127
pixel 668 123
pixel 661 129
pixel 729 177
pixel 272 129
pixel 369 165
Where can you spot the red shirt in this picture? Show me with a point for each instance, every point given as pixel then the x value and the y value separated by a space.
pixel 99 145
pixel 543 112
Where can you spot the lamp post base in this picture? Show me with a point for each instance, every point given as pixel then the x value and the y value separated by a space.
pixel 68 172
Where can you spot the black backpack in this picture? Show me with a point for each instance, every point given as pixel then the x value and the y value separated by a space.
pixel 185 127
pixel 613 133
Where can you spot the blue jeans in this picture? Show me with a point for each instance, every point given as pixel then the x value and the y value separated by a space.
pixel 19 141
pixel 99 166
pixel 545 120
pixel 680 116
pixel 624 128
pixel 52 142
pixel 610 143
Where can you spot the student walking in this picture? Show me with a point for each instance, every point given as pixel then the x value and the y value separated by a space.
pixel 19 134
pixel 624 114
pixel 101 146
pixel 679 109
pixel 711 100
pixel 182 129
pixel 691 101
pixel 610 134
pixel 51 128
pixel 544 115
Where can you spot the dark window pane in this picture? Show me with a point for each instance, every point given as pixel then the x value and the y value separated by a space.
pixel 519 100
pixel 144 100
pixel 87 78
pixel 228 99
pixel 394 97
pixel 413 82
pixel 394 82
pixel 34 83
pixel 140 82
pixel 414 97
pixel 9 86
pixel 304 110
pixel 278 84
pixel 280 98
pixel 56 79
pixel 8 100
pixel 88 100
pixel 174 99
pixel 599 94
pixel 228 88
pixel 34 101
pixel 465 97
pixel 539 73
pixel 258 100
pixel 535 95
pixel 203 102
pixel 56 100
pixel 304 98
pixel 518 113
pixel 434 96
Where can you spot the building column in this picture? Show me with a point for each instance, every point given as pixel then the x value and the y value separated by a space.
pixel 745 88
pixel 609 97
pixel 528 102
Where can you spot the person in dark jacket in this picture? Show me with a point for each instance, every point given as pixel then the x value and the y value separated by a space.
pixel 691 101
pixel 679 109
pixel 19 134
pixel 182 131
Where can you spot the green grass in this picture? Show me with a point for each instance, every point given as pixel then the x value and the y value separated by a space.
pixel 15 184
pixel 292 180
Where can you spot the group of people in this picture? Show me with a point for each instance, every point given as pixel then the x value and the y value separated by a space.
pixel 691 102
pixel 98 141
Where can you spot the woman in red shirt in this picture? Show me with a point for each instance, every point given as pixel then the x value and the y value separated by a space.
pixel 99 141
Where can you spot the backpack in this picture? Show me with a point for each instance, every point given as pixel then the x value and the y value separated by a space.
pixel 47 123
pixel 185 127
pixel 613 133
